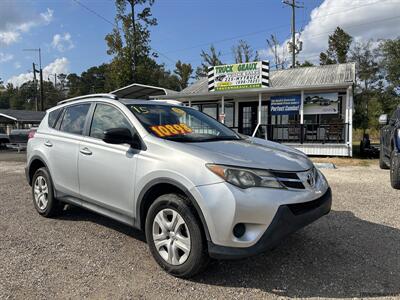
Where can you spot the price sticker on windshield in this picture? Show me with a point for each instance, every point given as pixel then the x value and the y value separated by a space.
pixel 171 129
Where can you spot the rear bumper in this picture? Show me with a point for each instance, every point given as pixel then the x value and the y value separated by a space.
pixel 287 220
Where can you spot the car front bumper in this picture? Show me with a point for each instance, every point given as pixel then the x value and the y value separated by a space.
pixel 267 214
pixel 288 219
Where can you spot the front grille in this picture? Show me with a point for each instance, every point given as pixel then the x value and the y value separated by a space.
pixel 288 175
pixel 293 184
pixel 289 180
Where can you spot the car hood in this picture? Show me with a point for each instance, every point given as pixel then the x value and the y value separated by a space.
pixel 252 153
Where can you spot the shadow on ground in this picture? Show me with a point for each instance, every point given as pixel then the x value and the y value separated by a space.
pixel 339 256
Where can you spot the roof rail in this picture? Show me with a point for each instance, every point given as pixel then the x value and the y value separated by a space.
pixel 109 96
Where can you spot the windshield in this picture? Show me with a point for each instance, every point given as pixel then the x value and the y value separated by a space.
pixel 182 124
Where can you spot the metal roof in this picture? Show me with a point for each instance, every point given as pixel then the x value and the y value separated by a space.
pixel 141 91
pixel 327 76
pixel 22 115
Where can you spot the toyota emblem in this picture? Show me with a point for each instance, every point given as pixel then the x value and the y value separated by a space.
pixel 311 179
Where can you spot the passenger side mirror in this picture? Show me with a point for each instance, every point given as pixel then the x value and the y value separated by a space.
pixel 383 119
pixel 122 136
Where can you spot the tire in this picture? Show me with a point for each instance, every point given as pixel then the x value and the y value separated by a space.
pixel 43 194
pixel 170 253
pixel 382 163
pixel 395 171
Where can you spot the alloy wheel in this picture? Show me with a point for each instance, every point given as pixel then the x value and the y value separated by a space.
pixel 41 192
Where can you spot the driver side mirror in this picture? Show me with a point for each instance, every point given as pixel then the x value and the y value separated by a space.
pixel 122 136
pixel 383 119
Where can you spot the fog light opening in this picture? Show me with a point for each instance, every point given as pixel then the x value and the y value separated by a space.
pixel 239 230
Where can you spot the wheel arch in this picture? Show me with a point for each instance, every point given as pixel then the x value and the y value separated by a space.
pixel 162 186
pixel 35 163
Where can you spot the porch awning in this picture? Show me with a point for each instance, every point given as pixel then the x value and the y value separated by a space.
pixel 21 116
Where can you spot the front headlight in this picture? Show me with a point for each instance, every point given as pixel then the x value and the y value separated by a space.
pixel 245 178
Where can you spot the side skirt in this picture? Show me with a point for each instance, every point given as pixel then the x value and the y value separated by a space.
pixel 98 209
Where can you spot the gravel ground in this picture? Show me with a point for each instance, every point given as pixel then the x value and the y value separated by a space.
pixel 352 252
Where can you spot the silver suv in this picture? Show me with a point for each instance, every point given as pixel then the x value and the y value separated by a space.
pixel 196 188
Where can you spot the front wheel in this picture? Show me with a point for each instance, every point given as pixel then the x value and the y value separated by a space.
pixel 395 171
pixel 175 236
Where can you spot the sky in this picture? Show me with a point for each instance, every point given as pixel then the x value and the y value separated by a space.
pixel 71 33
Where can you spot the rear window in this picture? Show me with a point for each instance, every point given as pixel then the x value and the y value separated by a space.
pixel 74 118
pixel 53 117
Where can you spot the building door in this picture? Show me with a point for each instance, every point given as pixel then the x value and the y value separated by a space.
pixel 248 114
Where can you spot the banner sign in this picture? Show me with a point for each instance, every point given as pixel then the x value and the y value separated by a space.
pixel 285 105
pixel 321 103
pixel 238 76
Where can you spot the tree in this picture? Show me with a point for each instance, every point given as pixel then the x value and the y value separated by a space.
pixel 243 53
pixel 209 59
pixel 277 51
pixel 184 72
pixel 129 44
pixel 338 47
pixel 367 69
pixel 306 63
pixel 390 50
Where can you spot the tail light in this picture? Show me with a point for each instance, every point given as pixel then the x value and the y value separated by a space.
pixel 31 134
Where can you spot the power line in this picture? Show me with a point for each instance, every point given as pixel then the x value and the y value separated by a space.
pixel 114 24
pixel 267 29
pixel 330 31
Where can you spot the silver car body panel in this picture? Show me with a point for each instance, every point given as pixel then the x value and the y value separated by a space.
pixel 110 180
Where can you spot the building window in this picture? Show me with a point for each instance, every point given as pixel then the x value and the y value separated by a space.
pixel 229 113
pixel 211 110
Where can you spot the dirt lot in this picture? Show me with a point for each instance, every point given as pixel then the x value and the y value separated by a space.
pixel 352 252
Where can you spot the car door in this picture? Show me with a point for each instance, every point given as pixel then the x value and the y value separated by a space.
pixel 107 171
pixel 62 144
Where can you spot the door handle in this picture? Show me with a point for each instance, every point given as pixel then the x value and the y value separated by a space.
pixel 85 151
pixel 48 143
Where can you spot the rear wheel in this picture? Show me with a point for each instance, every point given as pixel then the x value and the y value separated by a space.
pixel 175 236
pixel 394 171
pixel 382 159
pixel 43 194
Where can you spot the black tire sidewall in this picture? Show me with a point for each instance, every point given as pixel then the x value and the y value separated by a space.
pixel 394 171
pixel 382 162
pixel 52 205
pixel 198 256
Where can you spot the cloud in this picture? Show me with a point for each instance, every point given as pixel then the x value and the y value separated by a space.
pixel 17 65
pixel 16 19
pixel 362 19
pixel 62 42
pixel 58 66
pixel 4 57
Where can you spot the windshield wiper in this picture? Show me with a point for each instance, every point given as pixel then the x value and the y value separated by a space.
pixel 221 138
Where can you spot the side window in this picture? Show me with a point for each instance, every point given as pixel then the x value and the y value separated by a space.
pixel 74 118
pixel 107 117
pixel 53 116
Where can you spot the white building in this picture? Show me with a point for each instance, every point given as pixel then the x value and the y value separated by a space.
pixel 309 108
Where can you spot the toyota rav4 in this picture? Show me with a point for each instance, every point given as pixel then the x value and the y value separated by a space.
pixel 196 188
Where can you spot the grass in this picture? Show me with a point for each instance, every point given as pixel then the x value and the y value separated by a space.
pixel 355 161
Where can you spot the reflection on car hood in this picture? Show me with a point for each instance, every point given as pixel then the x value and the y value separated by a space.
pixel 252 153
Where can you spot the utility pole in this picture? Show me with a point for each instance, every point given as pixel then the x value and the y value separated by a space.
pixel 40 76
pixel 55 79
pixel 35 86
pixel 293 4
pixel 134 55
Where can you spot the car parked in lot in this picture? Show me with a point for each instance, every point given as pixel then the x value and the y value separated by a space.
pixel 4 138
pixel 390 146
pixel 196 187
